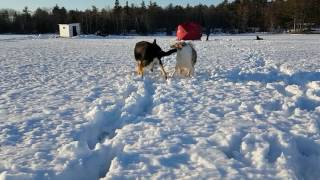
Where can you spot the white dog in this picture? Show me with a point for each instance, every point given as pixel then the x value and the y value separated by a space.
pixel 186 58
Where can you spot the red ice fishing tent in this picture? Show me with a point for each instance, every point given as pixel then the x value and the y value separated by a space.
pixel 189 31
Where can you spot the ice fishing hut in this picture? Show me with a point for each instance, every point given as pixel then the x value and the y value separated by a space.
pixel 189 31
pixel 69 30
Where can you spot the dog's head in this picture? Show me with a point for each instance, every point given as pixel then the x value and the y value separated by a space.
pixel 178 45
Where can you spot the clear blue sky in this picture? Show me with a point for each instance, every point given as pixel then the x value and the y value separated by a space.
pixel 84 4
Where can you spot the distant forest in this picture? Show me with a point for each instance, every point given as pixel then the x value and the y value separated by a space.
pixel 237 16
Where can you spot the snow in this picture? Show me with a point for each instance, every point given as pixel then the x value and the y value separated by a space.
pixel 75 109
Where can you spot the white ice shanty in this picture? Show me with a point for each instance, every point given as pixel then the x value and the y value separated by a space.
pixel 69 30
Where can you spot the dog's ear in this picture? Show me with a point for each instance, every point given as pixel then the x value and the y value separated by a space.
pixel 154 41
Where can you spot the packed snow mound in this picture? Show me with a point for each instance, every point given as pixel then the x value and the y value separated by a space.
pixel 75 109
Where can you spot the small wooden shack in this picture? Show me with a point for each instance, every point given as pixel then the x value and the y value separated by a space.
pixel 69 30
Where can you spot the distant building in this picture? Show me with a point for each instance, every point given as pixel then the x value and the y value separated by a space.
pixel 69 30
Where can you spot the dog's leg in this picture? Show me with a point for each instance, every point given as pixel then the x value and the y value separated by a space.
pixel 153 64
pixel 162 69
pixel 174 71
pixel 140 68
pixel 192 71
pixel 184 72
pixel 188 73
pixel 180 71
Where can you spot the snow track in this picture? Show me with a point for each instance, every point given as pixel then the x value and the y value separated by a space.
pixel 135 102
pixel 105 119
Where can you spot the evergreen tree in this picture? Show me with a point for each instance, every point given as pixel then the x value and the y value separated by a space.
pixel 231 16
pixel 4 21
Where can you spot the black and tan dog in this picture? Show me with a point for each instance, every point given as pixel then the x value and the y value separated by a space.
pixel 149 54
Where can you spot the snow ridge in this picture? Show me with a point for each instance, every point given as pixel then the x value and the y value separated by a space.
pixel 95 147
pixel 257 67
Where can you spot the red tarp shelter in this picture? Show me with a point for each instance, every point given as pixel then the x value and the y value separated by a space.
pixel 189 31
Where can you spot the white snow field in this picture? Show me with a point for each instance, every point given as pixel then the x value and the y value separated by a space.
pixel 75 109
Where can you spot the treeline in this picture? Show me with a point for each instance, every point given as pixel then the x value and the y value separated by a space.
pixel 236 16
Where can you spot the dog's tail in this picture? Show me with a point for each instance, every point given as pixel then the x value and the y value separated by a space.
pixel 168 53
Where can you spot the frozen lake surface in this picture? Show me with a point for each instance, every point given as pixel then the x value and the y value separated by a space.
pixel 75 109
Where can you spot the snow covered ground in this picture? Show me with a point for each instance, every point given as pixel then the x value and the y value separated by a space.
pixel 74 109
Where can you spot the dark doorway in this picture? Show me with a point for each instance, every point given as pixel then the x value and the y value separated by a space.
pixel 74 30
